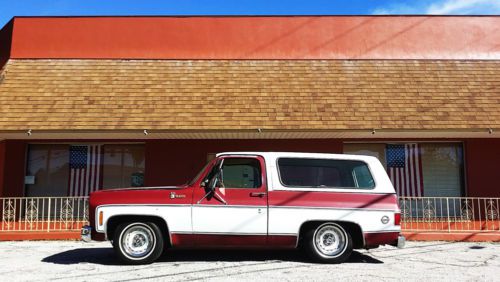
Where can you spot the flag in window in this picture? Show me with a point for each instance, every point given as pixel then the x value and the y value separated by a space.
pixel 85 169
pixel 404 167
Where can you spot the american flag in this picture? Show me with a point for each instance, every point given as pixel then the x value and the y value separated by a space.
pixel 404 166
pixel 85 169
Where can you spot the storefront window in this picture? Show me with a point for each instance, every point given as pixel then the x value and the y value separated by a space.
pixel 442 166
pixel 123 166
pixel 418 169
pixel 78 169
pixel 47 170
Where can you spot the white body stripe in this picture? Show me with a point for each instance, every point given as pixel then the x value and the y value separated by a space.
pixel 288 220
pixel 241 220
pixel 227 219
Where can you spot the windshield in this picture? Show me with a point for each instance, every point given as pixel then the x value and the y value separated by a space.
pixel 199 173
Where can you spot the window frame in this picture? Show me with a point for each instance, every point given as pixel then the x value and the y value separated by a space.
pixel 104 145
pixel 212 163
pixel 245 157
pixel 84 143
pixel 330 188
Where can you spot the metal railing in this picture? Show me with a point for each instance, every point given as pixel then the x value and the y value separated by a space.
pixel 450 214
pixel 445 214
pixel 43 213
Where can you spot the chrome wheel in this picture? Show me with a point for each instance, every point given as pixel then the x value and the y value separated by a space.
pixel 137 241
pixel 330 240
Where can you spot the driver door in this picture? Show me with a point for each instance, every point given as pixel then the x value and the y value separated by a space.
pixel 237 214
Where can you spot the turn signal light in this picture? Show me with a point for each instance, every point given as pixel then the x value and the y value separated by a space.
pixel 397 218
pixel 101 216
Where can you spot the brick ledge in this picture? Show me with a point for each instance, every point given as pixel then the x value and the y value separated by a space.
pixel 459 237
pixel 21 236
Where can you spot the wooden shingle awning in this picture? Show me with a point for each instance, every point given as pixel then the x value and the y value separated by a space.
pixel 236 98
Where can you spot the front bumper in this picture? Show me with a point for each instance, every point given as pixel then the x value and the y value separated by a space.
pixel 86 233
pixel 401 242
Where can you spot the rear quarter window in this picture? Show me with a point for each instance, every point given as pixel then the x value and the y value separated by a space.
pixel 325 173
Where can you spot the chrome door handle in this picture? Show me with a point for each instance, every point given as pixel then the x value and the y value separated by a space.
pixel 258 194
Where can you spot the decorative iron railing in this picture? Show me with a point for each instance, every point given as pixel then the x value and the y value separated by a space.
pixel 450 214
pixel 445 214
pixel 43 213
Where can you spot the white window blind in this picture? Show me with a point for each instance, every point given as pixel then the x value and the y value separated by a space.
pixel 442 165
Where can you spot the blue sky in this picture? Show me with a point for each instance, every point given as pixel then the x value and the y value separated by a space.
pixel 10 8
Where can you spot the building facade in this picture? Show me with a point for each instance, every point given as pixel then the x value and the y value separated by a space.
pixel 93 103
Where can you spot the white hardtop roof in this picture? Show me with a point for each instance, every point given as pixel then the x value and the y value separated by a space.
pixel 382 182
pixel 267 155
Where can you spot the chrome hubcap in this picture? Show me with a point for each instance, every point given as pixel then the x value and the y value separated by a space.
pixel 137 241
pixel 330 241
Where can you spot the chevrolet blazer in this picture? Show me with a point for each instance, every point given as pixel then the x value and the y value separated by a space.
pixel 327 204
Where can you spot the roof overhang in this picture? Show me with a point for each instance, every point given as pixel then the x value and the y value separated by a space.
pixel 248 134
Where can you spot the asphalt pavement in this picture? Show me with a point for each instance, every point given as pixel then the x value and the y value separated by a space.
pixel 419 261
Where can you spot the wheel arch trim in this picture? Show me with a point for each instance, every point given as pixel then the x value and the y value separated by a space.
pixel 157 217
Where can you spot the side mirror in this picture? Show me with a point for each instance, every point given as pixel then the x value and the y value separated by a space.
pixel 212 184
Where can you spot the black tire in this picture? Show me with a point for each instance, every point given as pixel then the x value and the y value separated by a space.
pixel 138 242
pixel 328 243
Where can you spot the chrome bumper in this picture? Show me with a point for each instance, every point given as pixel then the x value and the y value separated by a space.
pixel 401 242
pixel 86 233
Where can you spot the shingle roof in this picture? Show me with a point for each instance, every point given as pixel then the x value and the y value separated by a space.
pixel 249 94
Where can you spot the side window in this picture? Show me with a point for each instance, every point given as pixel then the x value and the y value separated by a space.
pixel 324 173
pixel 241 173
pixel 362 177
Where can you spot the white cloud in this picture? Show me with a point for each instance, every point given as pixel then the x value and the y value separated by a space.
pixel 443 7
pixel 464 7
pixel 398 9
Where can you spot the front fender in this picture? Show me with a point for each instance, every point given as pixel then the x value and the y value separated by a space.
pixel 178 217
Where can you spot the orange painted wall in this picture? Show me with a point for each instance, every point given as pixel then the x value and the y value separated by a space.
pixel 299 37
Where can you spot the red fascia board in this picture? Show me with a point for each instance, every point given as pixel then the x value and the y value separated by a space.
pixel 296 37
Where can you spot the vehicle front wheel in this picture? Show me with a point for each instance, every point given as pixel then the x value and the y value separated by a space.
pixel 328 243
pixel 138 242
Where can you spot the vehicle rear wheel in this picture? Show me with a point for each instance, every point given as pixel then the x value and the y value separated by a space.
pixel 138 242
pixel 328 243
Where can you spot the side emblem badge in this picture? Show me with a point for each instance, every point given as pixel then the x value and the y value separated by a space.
pixel 385 219
pixel 175 196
